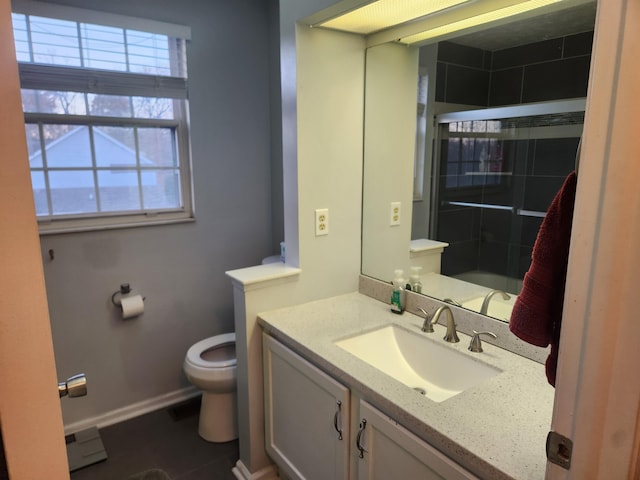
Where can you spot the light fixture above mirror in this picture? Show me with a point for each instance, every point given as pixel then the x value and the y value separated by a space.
pixel 414 22
pixel 487 17
pixel 383 14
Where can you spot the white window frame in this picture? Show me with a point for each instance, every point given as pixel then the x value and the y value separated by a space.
pixel 59 78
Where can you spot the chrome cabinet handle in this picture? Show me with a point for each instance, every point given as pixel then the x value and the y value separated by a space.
pixel 359 446
pixel 335 420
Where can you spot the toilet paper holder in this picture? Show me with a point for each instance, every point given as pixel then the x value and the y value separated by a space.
pixel 125 289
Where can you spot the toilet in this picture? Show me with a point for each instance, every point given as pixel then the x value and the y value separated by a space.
pixel 210 365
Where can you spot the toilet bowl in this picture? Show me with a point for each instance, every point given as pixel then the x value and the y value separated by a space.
pixel 210 365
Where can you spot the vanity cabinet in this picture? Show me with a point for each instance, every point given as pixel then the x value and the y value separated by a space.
pixel 306 416
pixel 387 450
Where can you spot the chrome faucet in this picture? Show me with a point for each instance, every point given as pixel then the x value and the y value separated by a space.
pixel 485 303
pixel 427 325
pixel 451 335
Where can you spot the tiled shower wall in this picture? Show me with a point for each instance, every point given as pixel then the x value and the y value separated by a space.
pixel 497 241
pixel 547 70
pixel 493 240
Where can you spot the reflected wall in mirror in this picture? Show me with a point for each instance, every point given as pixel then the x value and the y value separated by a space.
pixel 489 144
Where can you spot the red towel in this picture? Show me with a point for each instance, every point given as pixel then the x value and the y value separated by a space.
pixel 537 312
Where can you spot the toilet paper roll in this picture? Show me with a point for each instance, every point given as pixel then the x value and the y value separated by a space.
pixel 132 306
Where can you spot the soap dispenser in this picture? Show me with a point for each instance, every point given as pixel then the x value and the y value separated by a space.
pixel 414 280
pixel 397 296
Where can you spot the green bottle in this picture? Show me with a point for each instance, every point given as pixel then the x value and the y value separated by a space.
pixel 397 295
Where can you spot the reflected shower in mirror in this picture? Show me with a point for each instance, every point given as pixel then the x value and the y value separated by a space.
pixel 497 171
pixel 499 119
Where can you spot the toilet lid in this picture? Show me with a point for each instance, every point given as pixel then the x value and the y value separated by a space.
pixel 214 352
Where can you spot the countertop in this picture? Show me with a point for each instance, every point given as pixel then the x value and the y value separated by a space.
pixel 496 430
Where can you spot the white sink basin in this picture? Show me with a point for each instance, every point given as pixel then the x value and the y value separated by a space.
pixel 435 370
pixel 498 308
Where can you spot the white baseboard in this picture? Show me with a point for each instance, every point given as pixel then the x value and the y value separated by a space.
pixel 242 473
pixel 133 410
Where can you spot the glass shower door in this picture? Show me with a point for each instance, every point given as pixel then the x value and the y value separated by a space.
pixel 497 171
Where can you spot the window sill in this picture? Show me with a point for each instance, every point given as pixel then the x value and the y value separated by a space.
pixel 55 228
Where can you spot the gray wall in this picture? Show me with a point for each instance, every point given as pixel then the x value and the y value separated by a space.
pixel 179 268
pixel 277 198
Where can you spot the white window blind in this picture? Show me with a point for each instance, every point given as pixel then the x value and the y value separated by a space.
pixel 105 107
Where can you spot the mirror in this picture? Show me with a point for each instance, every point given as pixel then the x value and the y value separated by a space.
pixel 466 143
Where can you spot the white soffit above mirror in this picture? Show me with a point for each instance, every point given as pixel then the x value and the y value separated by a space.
pixel 381 23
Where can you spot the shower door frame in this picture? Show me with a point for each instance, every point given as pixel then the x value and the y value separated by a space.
pixel 498 113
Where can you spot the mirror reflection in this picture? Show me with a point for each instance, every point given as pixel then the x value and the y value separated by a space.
pixel 455 195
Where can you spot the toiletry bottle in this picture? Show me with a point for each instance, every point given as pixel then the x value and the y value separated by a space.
pixel 414 280
pixel 397 296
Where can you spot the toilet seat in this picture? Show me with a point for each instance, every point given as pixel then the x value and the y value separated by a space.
pixel 194 353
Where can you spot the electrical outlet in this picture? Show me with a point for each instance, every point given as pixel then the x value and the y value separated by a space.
pixel 394 218
pixel 322 221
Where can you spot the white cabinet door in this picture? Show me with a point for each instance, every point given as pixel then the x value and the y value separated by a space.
pixel 306 416
pixel 387 450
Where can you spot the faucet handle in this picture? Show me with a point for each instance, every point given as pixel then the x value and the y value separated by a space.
pixel 476 345
pixel 427 325
pixel 452 335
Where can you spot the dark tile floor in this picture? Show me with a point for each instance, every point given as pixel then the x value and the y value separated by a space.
pixel 166 439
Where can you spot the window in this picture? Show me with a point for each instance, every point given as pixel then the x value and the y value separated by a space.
pixel 473 153
pixel 105 108
pixel 421 136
